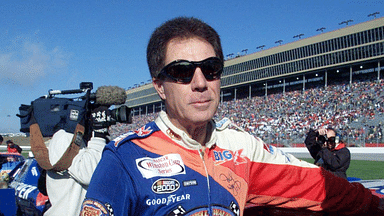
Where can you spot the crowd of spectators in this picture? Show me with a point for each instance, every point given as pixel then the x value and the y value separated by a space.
pixel 356 110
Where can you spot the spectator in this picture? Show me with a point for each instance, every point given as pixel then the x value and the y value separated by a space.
pixel 13 148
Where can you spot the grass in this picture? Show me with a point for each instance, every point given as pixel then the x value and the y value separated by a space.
pixel 365 170
pixel 25 154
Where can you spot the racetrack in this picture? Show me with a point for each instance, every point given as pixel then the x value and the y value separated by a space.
pixel 357 153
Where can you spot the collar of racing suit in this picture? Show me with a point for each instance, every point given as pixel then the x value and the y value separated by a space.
pixel 181 137
pixel 339 146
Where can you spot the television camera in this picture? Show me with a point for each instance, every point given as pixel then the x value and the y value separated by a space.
pixel 53 113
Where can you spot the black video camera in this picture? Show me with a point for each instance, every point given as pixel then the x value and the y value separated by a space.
pixel 321 139
pixel 54 113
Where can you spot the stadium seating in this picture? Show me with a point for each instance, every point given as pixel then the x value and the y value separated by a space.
pixel 283 119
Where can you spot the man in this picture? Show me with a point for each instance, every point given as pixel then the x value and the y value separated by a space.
pixel 184 163
pixel 13 148
pixel 328 151
pixel 66 189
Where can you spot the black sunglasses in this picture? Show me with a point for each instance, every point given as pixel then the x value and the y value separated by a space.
pixel 331 140
pixel 182 71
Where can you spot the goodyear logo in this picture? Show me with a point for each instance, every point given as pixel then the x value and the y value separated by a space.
pixel 165 185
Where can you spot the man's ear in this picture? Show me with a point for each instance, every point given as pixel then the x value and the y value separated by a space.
pixel 158 85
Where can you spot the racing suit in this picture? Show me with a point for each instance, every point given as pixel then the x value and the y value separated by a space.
pixel 337 160
pixel 159 170
pixel 67 189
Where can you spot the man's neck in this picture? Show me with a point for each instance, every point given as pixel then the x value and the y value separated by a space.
pixel 199 134
pixel 195 131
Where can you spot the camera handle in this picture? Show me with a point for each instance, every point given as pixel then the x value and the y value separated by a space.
pixel 41 153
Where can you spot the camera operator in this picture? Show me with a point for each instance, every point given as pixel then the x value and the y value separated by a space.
pixel 328 150
pixel 66 189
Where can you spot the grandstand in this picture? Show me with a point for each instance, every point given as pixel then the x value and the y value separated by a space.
pixel 334 78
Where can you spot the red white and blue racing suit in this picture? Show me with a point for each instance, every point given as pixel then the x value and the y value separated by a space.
pixel 159 170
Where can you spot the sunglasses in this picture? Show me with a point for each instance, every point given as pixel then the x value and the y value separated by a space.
pixel 182 71
pixel 331 140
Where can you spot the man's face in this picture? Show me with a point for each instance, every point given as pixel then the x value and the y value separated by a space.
pixel 195 103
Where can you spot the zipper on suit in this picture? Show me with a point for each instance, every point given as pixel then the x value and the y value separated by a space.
pixel 201 152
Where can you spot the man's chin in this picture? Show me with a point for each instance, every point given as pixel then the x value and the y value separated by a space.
pixel 201 117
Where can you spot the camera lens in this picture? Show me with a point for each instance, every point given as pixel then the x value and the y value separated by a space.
pixel 121 114
pixel 321 139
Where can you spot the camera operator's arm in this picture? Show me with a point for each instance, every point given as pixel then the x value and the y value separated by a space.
pixel 85 162
pixel 311 144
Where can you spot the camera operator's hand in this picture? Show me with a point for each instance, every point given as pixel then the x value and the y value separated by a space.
pixel 99 121
pixel 322 131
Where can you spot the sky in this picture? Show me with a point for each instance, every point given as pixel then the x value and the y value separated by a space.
pixel 56 45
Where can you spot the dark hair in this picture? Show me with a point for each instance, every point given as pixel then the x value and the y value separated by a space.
pixel 1 138
pixel 183 28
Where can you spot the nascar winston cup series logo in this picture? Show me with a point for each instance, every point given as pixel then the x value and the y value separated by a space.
pixel 167 165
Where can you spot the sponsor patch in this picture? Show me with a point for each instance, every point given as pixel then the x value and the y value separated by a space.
pixel 109 209
pixel 24 190
pixel 165 185
pixel 216 210
pixel 222 123
pixel 223 156
pixel 234 208
pixel 73 115
pixel 267 147
pixel 178 211
pixel 164 166
pixel 90 211
pixel 118 139
pixel 143 131
pixel 173 135
pixel 167 200
pixel 273 150
pixel 189 183
pixel 93 208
